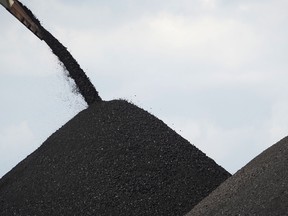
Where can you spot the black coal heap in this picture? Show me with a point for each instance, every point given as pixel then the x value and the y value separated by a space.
pixel 259 188
pixel 111 159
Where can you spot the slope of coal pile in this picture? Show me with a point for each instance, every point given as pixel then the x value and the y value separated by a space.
pixel 83 83
pixel 111 159
pixel 260 188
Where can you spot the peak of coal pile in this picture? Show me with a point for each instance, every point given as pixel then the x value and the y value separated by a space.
pixel 259 188
pixel 111 159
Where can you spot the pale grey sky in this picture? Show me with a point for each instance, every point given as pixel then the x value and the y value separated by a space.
pixel 214 70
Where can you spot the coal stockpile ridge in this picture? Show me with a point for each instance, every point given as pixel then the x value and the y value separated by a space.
pixel 111 159
pixel 83 83
pixel 259 188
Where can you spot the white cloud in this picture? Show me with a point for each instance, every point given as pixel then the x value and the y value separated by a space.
pixel 16 142
pixel 208 4
pixel 19 135
pixel 210 39
pixel 279 121
pixel 24 54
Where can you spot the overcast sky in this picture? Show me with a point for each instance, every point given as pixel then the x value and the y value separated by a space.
pixel 215 71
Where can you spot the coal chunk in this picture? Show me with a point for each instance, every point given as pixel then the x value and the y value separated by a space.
pixel 111 159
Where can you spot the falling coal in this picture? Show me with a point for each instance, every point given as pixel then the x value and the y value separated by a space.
pixel 83 83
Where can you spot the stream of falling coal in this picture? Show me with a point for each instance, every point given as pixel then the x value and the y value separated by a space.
pixel 83 83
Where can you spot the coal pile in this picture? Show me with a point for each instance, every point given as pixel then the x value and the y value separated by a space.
pixel 111 159
pixel 83 83
pixel 259 188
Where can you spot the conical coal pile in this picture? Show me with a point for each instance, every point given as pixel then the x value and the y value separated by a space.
pixel 260 188
pixel 111 159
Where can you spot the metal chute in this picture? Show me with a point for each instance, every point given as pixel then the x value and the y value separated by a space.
pixel 18 11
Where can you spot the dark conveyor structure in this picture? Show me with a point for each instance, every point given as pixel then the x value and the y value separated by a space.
pixel 82 82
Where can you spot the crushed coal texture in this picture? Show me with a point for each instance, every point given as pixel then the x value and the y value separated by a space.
pixel 83 83
pixel 111 159
pixel 259 188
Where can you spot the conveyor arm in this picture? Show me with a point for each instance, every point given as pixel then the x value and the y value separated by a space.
pixel 17 10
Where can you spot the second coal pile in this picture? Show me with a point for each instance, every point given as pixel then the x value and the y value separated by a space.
pixel 259 188
pixel 111 159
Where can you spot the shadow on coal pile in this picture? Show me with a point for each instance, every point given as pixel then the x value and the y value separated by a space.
pixel 259 188
pixel 111 159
